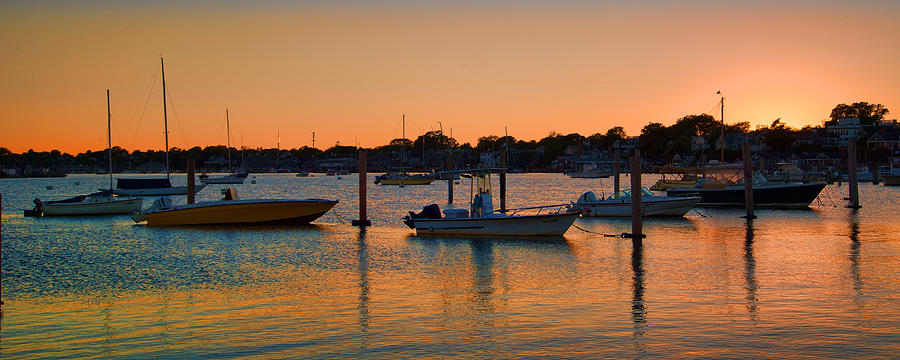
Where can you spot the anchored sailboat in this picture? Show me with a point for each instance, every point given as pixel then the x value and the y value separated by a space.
pixel 233 177
pixel 154 186
pixel 99 203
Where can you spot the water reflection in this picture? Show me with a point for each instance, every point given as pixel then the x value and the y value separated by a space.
pixel 854 257
pixel 751 285
pixel 362 258
pixel 638 308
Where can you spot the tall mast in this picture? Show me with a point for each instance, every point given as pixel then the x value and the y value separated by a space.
pixel 165 120
pixel 109 137
pixel 228 139
pixel 277 150
pixel 722 114
pixel 403 147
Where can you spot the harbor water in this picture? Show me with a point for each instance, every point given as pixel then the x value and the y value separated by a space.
pixel 817 283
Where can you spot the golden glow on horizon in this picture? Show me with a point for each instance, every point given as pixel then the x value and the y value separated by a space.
pixel 349 73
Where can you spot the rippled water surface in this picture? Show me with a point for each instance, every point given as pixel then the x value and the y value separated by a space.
pixel 818 283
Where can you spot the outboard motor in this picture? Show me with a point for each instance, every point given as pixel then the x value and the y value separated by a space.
pixel 38 209
pixel 432 211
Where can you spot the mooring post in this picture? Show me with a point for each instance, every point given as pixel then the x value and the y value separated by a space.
pixel 190 180
pixel 450 190
pixel 748 181
pixel 637 215
pixel 851 164
pixel 503 191
pixel 618 154
pixel 363 220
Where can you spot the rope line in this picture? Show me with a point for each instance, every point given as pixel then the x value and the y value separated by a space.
pixel 596 233
pixel 151 86
pixel 340 217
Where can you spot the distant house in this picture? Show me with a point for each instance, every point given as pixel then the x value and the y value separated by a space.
pixel 886 137
pixel 847 128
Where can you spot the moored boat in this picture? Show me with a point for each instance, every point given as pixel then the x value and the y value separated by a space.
pixel 403 178
pixel 99 203
pixel 619 204
pixel 722 186
pixel 232 211
pixel 481 219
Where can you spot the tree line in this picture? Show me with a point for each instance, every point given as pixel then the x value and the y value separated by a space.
pixel 436 150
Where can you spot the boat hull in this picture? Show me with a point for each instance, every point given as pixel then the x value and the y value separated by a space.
pixel 663 185
pixel 590 174
pixel 413 181
pixel 891 180
pixel 776 196
pixel 241 212
pixel 223 180
pixel 90 206
pixel 528 225
pixel 174 190
pixel 651 207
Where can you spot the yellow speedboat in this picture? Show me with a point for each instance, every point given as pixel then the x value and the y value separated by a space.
pixel 232 211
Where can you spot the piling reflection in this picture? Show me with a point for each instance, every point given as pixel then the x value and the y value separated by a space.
pixel 483 281
pixel 854 257
pixel 750 285
pixel 638 308
pixel 362 259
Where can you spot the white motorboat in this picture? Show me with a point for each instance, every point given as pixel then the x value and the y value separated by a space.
pixel 233 178
pixel 481 219
pixel 619 204
pixel 99 203
pixel 590 170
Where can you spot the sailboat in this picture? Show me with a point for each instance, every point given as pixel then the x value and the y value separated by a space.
pixel 99 203
pixel 400 176
pixel 154 186
pixel 233 177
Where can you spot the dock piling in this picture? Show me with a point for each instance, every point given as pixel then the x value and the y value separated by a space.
pixel 190 181
pixel 851 164
pixel 616 167
pixel 637 215
pixel 363 220
pixel 748 181
pixel 450 190
pixel 503 191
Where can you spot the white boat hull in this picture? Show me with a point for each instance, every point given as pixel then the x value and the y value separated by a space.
pixel 527 225
pixel 660 206
pixel 94 206
pixel 174 190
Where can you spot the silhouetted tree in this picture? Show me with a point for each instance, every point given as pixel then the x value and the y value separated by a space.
pixel 865 112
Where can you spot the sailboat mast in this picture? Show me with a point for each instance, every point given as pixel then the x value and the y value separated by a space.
pixel 228 138
pixel 165 120
pixel 109 137
pixel 722 114
pixel 403 147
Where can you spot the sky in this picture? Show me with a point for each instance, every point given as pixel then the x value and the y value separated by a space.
pixel 349 70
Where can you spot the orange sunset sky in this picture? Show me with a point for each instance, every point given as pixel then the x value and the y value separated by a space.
pixel 348 70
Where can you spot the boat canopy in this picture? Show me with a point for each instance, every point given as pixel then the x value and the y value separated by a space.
pixel 131 184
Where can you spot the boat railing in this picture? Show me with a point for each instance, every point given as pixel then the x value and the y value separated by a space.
pixel 550 209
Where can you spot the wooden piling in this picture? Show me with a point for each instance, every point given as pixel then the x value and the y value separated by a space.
pixel 450 190
pixel 616 166
pixel 503 191
pixel 637 215
pixel 851 164
pixel 748 181
pixel 363 220
pixel 190 181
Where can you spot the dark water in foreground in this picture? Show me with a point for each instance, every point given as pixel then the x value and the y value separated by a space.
pixel 818 283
